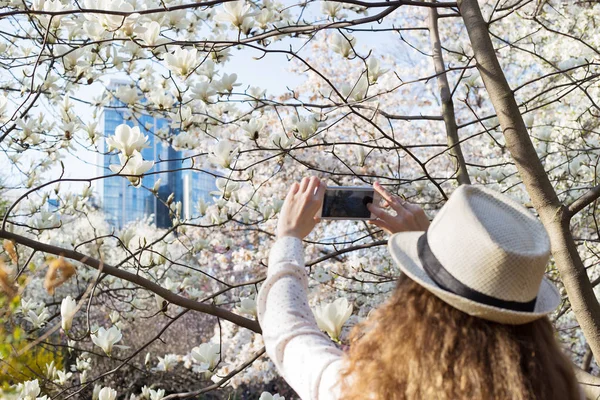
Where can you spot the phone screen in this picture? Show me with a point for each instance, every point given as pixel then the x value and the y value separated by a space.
pixel 347 203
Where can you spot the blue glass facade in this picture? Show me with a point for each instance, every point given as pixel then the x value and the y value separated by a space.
pixel 122 203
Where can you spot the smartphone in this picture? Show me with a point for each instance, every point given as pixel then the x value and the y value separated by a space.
pixel 348 202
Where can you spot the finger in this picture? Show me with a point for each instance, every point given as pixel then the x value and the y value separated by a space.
pixel 321 192
pixel 317 219
pixel 393 201
pixel 293 190
pixel 313 184
pixel 378 212
pixel 304 184
pixel 380 224
pixel 387 196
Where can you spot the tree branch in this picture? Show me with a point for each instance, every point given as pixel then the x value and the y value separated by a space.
pixel 136 279
pixel 582 202
pixel 590 384
pixel 446 97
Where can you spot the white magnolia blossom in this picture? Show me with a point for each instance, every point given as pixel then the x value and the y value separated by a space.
pixel 83 376
pixel 528 119
pixel 94 30
pixel 51 370
pixel 575 165
pixel 167 363
pixel 359 153
pixel 222 154
pixel 257 94
pixel 127 140
pixel 194 293
pixel 227 83
pixel 128 95
pixel 374 70
pixel 161 99
pixel 107 393
pixel 204 91
pixel 206 355
pixel 343 44
pixel 50 6
pixel 71 58
pixel 28 390
pixel 331 317
pixel 356 91
pixel 182 61
pixel 107 338
pixel 201 206
pixel 151 36
pixel 109 22
pixel 281 140
pixel 264 18
pixel 114 316
pixel 68 308
pixel 321 275
pixel 46 220
pixel 3 104
pixel 28 305
pixel 277 204
pixel 134 165
pixel 307 126
pixel 156 394
pixel 253 128
pixel 62 377
pixel 226 187
pixel 247 306
pixel 82 363
pixel 38 318
pixel 207 69
pixel 96 392
pixel 332 9
pixel 269 396
pixel 236 13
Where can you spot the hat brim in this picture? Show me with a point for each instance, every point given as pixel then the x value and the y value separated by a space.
pixel 403 249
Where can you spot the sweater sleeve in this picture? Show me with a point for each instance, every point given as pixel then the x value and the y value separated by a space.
pixel 303 355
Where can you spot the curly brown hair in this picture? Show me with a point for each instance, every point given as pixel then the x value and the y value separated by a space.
pixel 418 347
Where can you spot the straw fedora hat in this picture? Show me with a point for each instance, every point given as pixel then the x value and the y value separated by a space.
pixel 484 254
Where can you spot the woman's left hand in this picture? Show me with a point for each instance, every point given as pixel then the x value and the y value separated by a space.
pixel 298 213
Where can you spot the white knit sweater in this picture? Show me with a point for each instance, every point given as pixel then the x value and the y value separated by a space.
pixel 305 357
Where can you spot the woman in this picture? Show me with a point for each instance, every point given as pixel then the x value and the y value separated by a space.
pixel 468 319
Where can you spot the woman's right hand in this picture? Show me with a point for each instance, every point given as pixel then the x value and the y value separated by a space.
pixel 409 217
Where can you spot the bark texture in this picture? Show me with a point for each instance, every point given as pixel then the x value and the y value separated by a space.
pixel 446 98
pixel 553 214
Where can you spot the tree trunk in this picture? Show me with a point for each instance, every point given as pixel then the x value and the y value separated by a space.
pixel 446 98
pixel 553 214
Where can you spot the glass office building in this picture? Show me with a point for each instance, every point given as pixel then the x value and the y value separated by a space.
pixel 123 203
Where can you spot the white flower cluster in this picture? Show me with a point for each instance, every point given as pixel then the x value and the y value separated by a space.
pixel 129 141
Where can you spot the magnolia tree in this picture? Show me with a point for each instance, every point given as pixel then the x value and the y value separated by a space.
pixel 502 94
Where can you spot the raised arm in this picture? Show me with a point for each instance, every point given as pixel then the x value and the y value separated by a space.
pixel 303 355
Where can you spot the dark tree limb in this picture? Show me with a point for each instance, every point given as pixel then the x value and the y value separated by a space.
pixel 136 279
